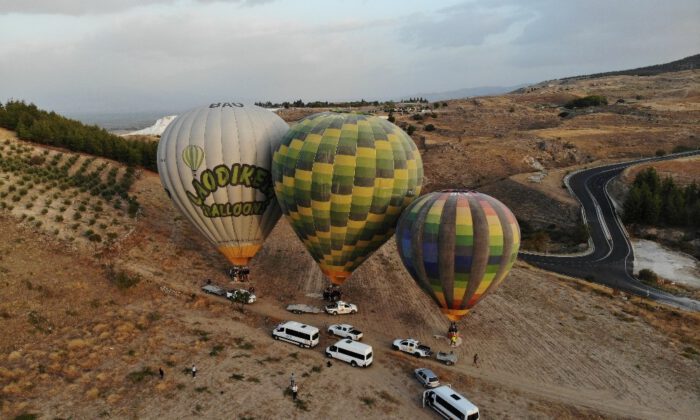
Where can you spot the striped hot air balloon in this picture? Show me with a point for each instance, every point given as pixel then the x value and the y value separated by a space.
pixel 214 163
pixel 193 157
pixel 342 180
pixel 458 246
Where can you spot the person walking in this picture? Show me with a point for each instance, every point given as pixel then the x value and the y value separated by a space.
pixel 194 371
pixel 161 372
pixel 476 360
pixel 291 380
pixel 295 390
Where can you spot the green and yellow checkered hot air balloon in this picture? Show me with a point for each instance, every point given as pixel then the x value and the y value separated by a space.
pixel 342 180
pixel 458 246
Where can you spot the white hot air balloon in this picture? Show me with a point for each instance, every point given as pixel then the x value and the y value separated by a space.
pixel 214 163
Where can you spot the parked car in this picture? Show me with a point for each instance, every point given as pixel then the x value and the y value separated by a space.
pixel 214 290
pixel 353 352
pixel 235 294
pixel 341 307
pixel 427 377
pixel 411 346
pixel 345 330
pixel 450 404
pixel 296 333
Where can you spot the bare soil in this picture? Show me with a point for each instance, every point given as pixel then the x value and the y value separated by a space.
pixel 75 345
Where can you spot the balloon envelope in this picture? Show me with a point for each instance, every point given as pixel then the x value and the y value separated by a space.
pixel 214 162
pixel 342 180
pixel 458 246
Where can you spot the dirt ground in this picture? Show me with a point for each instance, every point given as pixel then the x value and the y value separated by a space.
pixel 75 345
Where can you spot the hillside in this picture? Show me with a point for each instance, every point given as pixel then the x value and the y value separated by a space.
pixel 688 63
pixel 78 345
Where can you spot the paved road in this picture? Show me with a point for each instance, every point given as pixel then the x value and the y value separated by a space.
pixel 610 258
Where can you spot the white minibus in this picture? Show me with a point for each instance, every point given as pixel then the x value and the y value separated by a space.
pixel 353 352
pixel 450 404
pixel 297 333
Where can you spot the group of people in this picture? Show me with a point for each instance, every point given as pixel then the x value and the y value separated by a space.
pixel 238 273
pixel 453 334
pixel 332 293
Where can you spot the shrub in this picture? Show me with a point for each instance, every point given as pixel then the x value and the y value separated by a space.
pixel 648 276
pixel 58 218
pixel 429 127
pixel 682 148
pixel 411 129
pixel 587 101
pixel 120 278
pixel 140 375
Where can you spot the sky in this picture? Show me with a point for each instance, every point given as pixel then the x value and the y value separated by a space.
pixel 150 55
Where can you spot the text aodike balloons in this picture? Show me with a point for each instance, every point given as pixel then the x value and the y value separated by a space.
pixel 458 246
pixel 214 162
pixel 342 181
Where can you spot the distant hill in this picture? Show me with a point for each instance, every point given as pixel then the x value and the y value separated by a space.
pixel 156 129
pixel 467 92
pixel 687 63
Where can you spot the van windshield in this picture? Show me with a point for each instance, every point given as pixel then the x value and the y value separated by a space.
pixel 368 356
pixel 314 337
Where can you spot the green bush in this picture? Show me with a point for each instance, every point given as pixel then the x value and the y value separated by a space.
pixel 587 101
pixel 648 276
pixel 429 127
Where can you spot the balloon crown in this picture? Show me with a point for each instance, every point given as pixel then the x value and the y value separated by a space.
pixel 459 190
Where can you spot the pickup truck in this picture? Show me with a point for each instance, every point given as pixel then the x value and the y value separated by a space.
pixel 411 346
pixel 341 307
pixel 345 330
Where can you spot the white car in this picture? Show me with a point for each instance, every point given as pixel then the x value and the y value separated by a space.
pixel 345 330
pixel 235 293
pixel 411 346
pixel 341 307
pixel 427 377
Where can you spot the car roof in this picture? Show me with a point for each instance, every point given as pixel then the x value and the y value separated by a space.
pixel 426 371
pixel 356 345
pixel 455 398
pixel 298 325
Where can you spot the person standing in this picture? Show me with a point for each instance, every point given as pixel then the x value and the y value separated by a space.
pixel 161 372
pixel 295 390
pixel 194 371
pixel 291 380
pixel 476 360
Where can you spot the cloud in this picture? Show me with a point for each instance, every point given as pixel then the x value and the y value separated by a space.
pixel 180 58
pixel 465 24
pixel 601 35
pixel 83 7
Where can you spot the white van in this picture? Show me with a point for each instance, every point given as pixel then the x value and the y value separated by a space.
pixel 297 333
pixel 353 352
pixel 450 404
